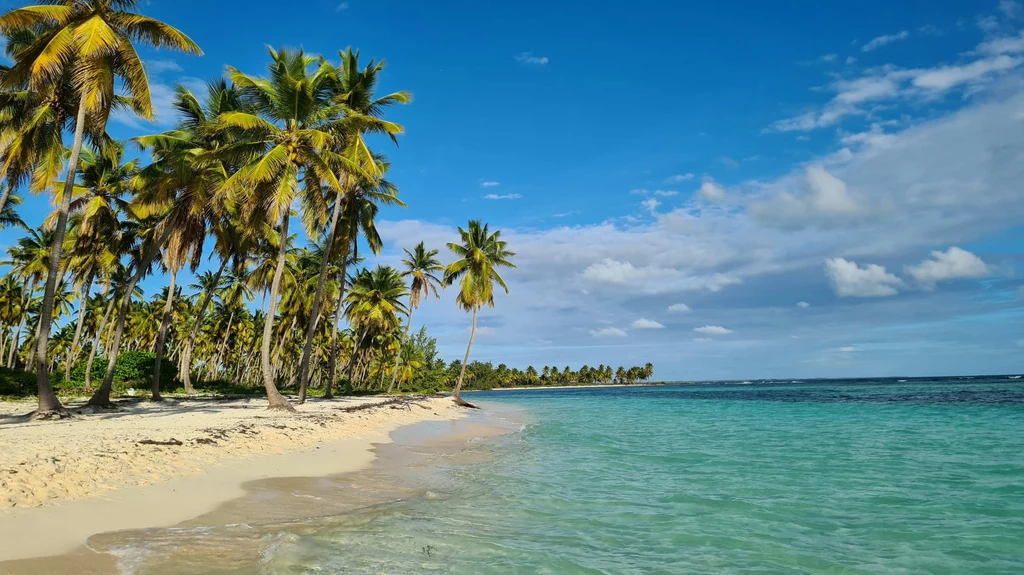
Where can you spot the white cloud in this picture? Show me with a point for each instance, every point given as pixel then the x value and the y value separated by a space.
pixel 850 59
pixel 880 41
pixel 954 263
pixel 702 339
pixel 850 280
pixel 483 331
pixel 848 349
pixel 711 191
pixel 828 58
pixel 503 197
pixel 1004 45
pixel 666 193
pixel 728 162
pixel 875 137
pixel 826 199
pixel 157 66
pixel 652 278
pixel 490 184
pixel 679 308
pixel 608 332
pixel 803 305
pixel 947 77
pixel 644 323
pixel 529 58
pixel 651 205
pixel 565 214
pixel 679 178
pixel 712 330
pixel 341 7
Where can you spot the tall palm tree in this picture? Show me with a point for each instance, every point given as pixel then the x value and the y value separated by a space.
pixel 480 254
pixel 98 200
pixel 363 113
pixel 289 152
pixel 420 265
pixel 90 42
pixel 374 303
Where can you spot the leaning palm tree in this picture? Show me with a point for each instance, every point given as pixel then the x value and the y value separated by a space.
pixel 420 265
pixel 90 43
pixel 480 253
pixel 289 151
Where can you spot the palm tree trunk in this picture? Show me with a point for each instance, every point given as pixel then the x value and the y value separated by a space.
pixel 401 344
pixel 186 354
pixel 98 339
pixel 49 405
pixel 328 393
pixel 72 354
pixel 14 344
pixel 102 396
pixel 214 367
pixel 350 368
pixel 161 338
pixel 462 373
pixel 7 194
pixel 307 347
pixel 277 401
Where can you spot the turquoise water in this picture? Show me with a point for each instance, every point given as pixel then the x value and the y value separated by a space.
pixel 918 477
pixel 833 477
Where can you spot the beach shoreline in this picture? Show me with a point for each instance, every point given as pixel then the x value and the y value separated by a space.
pixel 600 385
pixel 159 464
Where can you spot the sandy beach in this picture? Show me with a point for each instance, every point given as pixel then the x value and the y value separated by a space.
pixel 157 464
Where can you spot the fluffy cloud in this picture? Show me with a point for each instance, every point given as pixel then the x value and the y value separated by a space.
pixel 851 280
pixel 644 323
pixel 608 332
pixel 503 197
pixel 529 58
pixel 679 308
pixel 946 77
pixel 651 205
pixel 712 330
pixel 157 66
pixel 803 305
pixel 711 191
pixel 880 41
pixel 826 199
pixel 954 263
pixel 666 193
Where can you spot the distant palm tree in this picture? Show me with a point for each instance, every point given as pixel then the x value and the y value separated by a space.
pixel 87 43
pixel 374 304
pixel 480 253
pixel 420 265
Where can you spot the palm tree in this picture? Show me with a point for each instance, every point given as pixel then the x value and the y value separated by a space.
pixel 288 151
pixel 420 265
pixel 89 42
pixel 648 371
pixel 480 253
pixel 362 114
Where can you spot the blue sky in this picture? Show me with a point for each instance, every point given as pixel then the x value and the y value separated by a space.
pixel 729 190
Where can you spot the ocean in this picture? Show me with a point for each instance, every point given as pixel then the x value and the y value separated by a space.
pixel 917 476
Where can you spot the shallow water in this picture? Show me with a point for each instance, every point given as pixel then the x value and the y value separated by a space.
pixel 858 477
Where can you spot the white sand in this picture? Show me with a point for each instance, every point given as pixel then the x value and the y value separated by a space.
pixel 61 482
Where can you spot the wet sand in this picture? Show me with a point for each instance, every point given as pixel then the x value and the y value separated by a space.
pixel 234 536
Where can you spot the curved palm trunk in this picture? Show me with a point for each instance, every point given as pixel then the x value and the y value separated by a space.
pixel 73 353
pixel 277 401
pixel 186 354
pixel 333 362
pixel 462 373
pixel 7 194
pixel 161 338
pixel 314 317
pixel 351 367
pixel 401 344
pixel 49 405
pixel 102 396
pixel 98 339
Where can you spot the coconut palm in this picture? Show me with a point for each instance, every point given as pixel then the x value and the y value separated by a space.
pixel 363 113
pixel 420 266
pixel 287 153
pixel 480 253
pixel 89 43
pixel 374 303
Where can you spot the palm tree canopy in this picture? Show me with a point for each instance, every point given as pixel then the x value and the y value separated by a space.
pixel 421 265
pixel 480 254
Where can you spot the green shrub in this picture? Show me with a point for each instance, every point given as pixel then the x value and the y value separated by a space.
pixel 16 383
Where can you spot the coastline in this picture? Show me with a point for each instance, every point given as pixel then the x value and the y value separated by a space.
pixel 71 480
pixel 538 387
